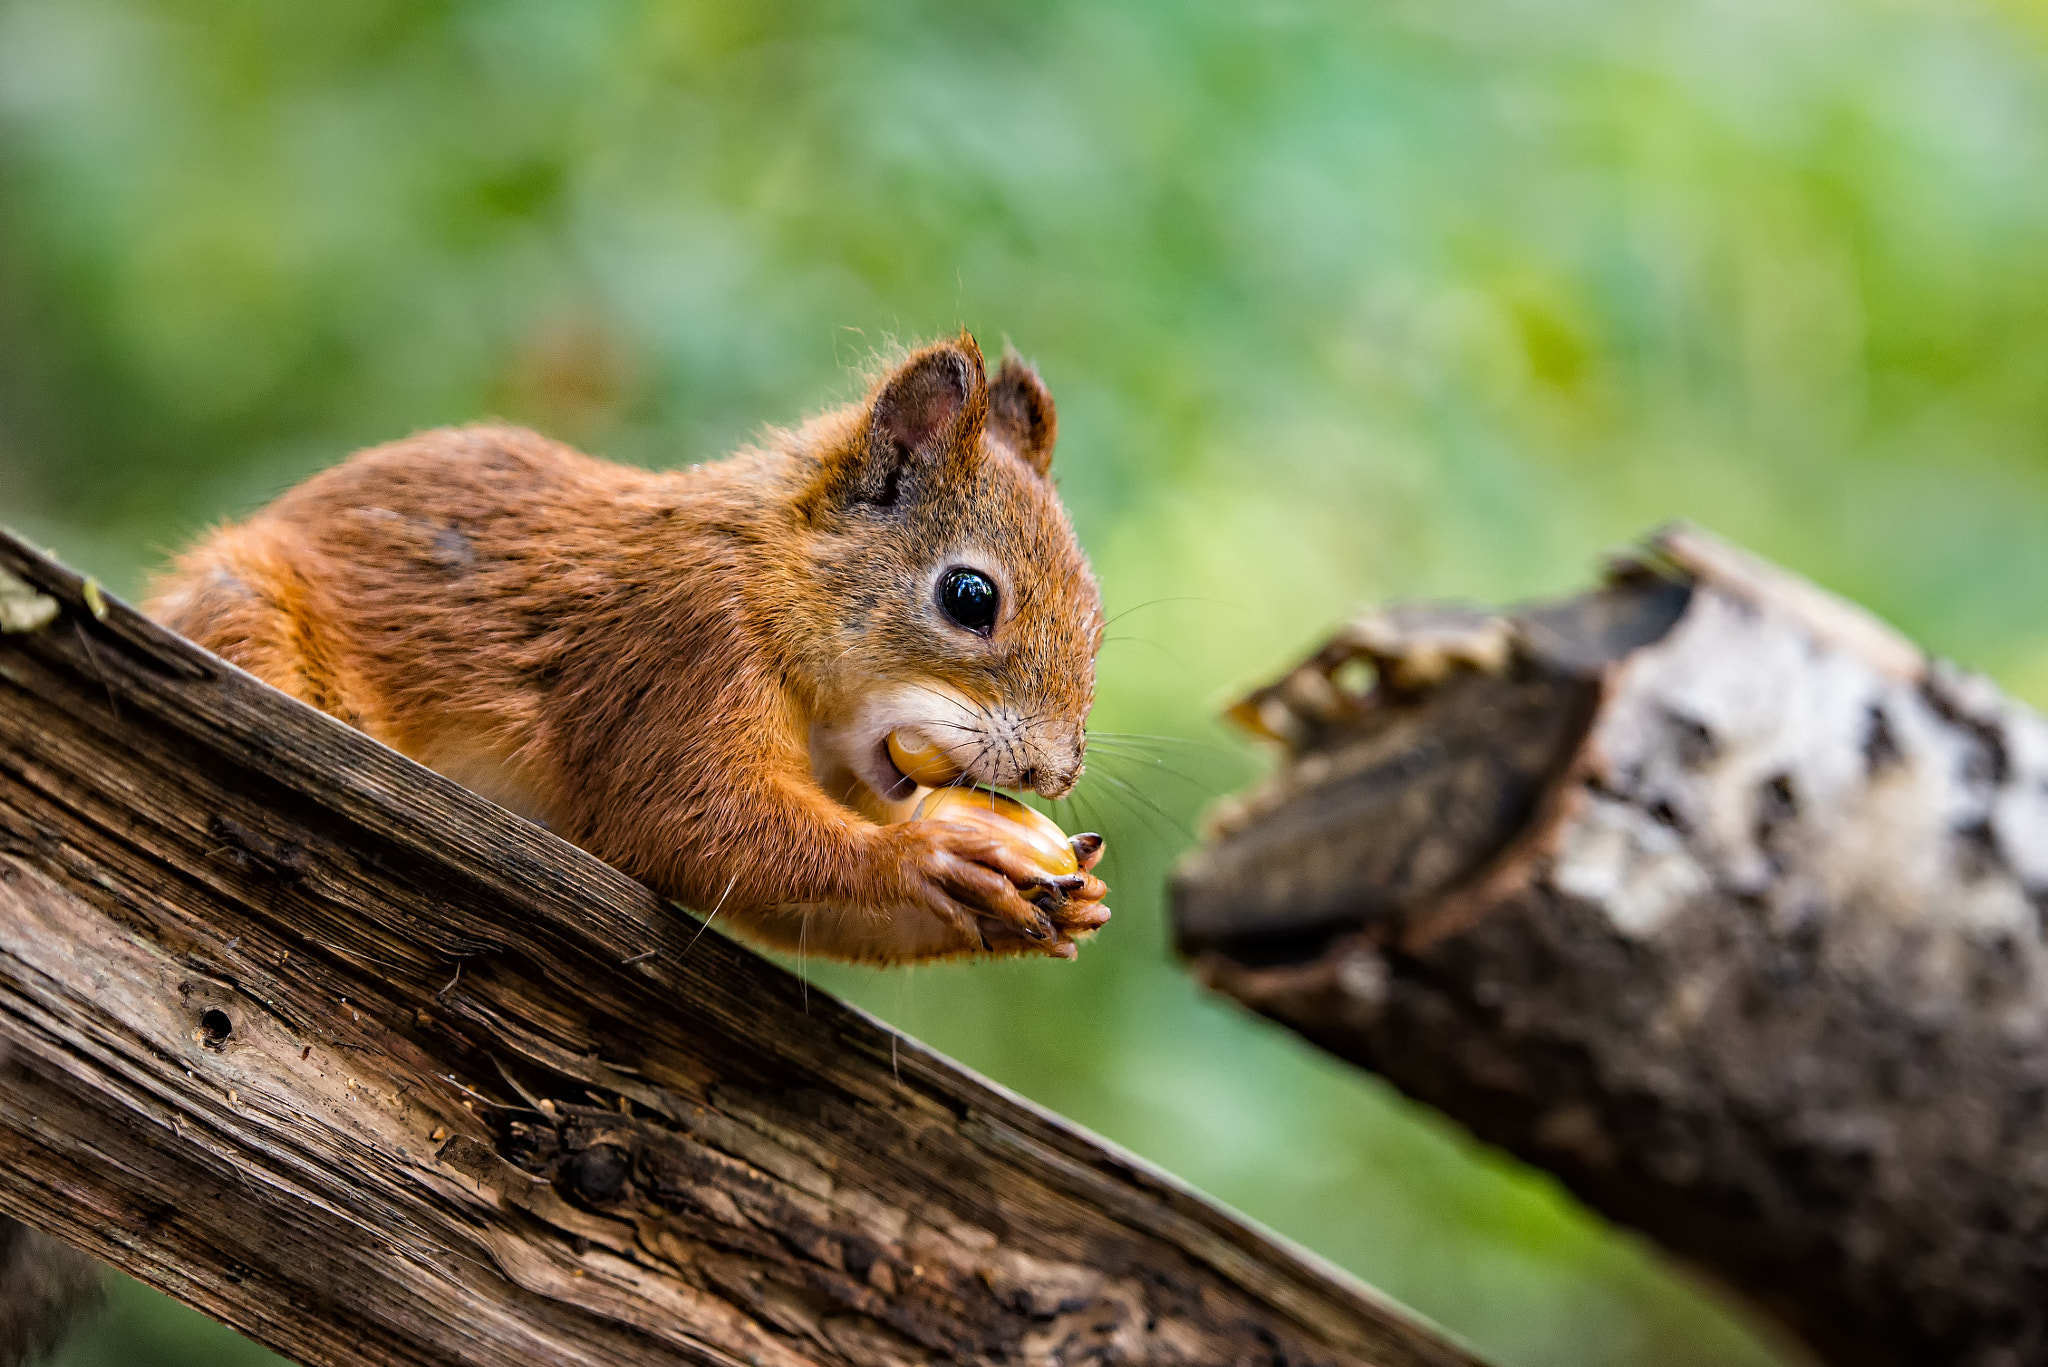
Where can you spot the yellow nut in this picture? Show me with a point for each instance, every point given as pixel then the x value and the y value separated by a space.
pixel 921 761
pixel 1042 841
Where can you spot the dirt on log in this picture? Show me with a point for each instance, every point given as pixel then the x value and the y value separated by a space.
pixel 1708 893
pixel 376 1072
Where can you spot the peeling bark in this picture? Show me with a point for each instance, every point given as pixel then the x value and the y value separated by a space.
pixel 1705 891
pixel 376 1072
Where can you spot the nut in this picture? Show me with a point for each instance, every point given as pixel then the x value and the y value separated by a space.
pixel 1043 842
pixel 921 761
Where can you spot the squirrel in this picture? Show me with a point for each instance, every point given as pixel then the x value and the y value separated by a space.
pixel 695 674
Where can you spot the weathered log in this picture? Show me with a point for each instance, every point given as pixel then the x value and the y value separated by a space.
pixel 376 1072
pixel 1705 891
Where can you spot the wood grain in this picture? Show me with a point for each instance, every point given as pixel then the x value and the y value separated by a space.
pixel 374 1071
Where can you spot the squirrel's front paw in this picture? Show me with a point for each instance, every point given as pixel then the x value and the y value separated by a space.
pixel 1072 902
pixel 978 882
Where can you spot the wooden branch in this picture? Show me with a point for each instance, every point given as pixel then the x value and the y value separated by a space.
pixel 373 1071
pixel 1706 892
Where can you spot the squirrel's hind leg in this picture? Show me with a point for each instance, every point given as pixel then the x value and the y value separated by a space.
pixel 240 595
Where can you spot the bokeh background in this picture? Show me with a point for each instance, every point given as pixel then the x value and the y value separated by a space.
pixel 1339 303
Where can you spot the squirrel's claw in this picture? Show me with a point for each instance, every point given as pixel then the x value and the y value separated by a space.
pixel 974 871
pixel 1005 937
pixel 1006 902
pixel 1055 891
pixel 1087 850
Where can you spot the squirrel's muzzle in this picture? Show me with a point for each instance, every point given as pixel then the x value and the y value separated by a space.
pixel 1007 755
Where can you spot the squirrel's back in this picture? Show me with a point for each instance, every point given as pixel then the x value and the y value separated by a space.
pixel 433 591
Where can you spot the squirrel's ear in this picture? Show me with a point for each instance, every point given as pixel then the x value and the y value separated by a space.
pixel 933 402
pixel 1021 415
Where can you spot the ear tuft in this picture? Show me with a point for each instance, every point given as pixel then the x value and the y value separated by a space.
pixel 1021 414
pixel 924 419
pixel 931 402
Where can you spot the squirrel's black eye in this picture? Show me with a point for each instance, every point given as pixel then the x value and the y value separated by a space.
pixel 969 598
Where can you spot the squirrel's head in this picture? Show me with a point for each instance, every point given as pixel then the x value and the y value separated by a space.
pixel 947 596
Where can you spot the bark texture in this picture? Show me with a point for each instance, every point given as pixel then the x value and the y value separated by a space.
pixel 1708 893
pixel 377 1073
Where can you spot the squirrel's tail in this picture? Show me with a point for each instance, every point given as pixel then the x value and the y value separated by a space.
pixel 46 1288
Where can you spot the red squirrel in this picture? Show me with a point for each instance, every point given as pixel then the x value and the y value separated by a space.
pixel 693 674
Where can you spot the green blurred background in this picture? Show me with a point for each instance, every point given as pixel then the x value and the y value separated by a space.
pixel 1339 303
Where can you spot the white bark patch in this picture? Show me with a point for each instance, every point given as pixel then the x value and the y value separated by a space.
pixel 1638 873
pixel 1747 756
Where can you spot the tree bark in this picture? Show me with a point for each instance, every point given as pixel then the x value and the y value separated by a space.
pixel 373 1071
pixel 1705 891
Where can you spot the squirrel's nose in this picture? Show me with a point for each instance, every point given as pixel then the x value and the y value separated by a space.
pixel 1051 782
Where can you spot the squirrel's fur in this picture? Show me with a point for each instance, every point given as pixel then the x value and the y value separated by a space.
pixel 691 673
pixel 46 1289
